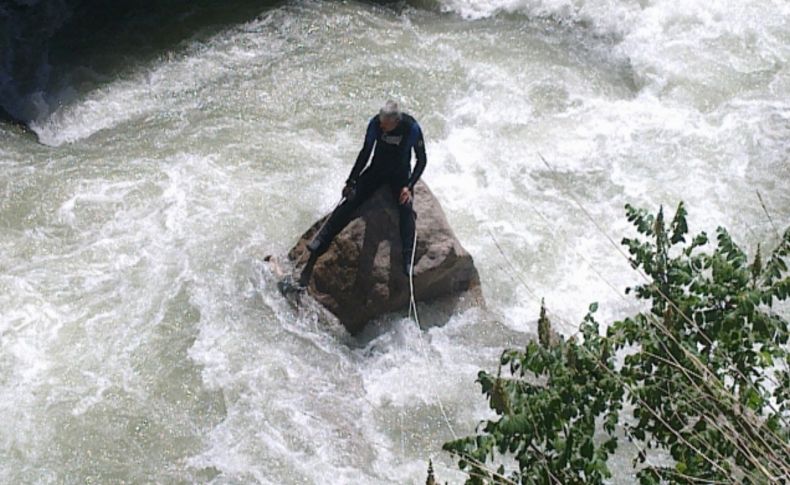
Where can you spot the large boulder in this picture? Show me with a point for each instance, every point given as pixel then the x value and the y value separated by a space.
pixel 359 277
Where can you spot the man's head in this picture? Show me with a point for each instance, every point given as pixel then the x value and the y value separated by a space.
pixel 389 116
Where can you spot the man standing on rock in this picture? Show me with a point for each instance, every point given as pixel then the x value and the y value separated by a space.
pixel 391 136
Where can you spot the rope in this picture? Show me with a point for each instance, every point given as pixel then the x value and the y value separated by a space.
pixel 413 306
pixel 412 302
pixel 342 199
pixel 765 209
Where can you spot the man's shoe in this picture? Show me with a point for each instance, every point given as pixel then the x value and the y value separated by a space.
pixel 304 277
pixel 287 285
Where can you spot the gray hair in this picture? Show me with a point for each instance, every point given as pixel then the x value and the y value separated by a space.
pixel 390 110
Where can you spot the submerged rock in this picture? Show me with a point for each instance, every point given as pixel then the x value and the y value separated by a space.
pixel 359 277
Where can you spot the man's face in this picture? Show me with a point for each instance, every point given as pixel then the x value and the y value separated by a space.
pixel 388 124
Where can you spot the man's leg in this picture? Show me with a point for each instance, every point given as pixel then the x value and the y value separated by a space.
pixel 407 230
pixel 341 216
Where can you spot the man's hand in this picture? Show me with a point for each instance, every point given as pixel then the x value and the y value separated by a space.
pixel 405 196
pixel 348 191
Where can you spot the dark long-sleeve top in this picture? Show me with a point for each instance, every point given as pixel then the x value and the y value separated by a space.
pixel 392 151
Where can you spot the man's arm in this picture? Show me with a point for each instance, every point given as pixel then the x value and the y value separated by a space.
pixel 418 143
pixel 364 155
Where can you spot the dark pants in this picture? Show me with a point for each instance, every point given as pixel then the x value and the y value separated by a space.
pixel 367 184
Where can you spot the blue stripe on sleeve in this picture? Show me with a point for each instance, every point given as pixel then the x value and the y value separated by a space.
pixel 414 135
pixel 372 133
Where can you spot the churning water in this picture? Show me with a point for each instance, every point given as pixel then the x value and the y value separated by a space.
pixel 141 339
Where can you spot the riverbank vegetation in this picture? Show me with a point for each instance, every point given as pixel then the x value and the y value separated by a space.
pixel 698 384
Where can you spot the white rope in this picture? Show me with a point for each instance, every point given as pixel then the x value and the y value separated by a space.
pixel 413 303
pixel 342 199
pixel 413 306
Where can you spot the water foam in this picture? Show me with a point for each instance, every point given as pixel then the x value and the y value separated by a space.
pixel 701 52
pixel 142 339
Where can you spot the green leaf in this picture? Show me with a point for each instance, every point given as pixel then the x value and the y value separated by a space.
pixel 556 396
pixel 586 449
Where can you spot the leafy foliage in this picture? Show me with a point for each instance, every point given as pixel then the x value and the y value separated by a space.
pixel 704 375
pixel 548 426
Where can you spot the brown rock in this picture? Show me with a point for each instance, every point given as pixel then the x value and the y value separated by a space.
pixel 359 277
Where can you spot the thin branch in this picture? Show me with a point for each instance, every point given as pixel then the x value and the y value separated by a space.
pixel 765 209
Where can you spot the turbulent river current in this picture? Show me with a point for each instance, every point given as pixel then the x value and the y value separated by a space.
pixel 142 338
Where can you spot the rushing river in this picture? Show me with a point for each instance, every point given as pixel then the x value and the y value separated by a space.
pixel 141 337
